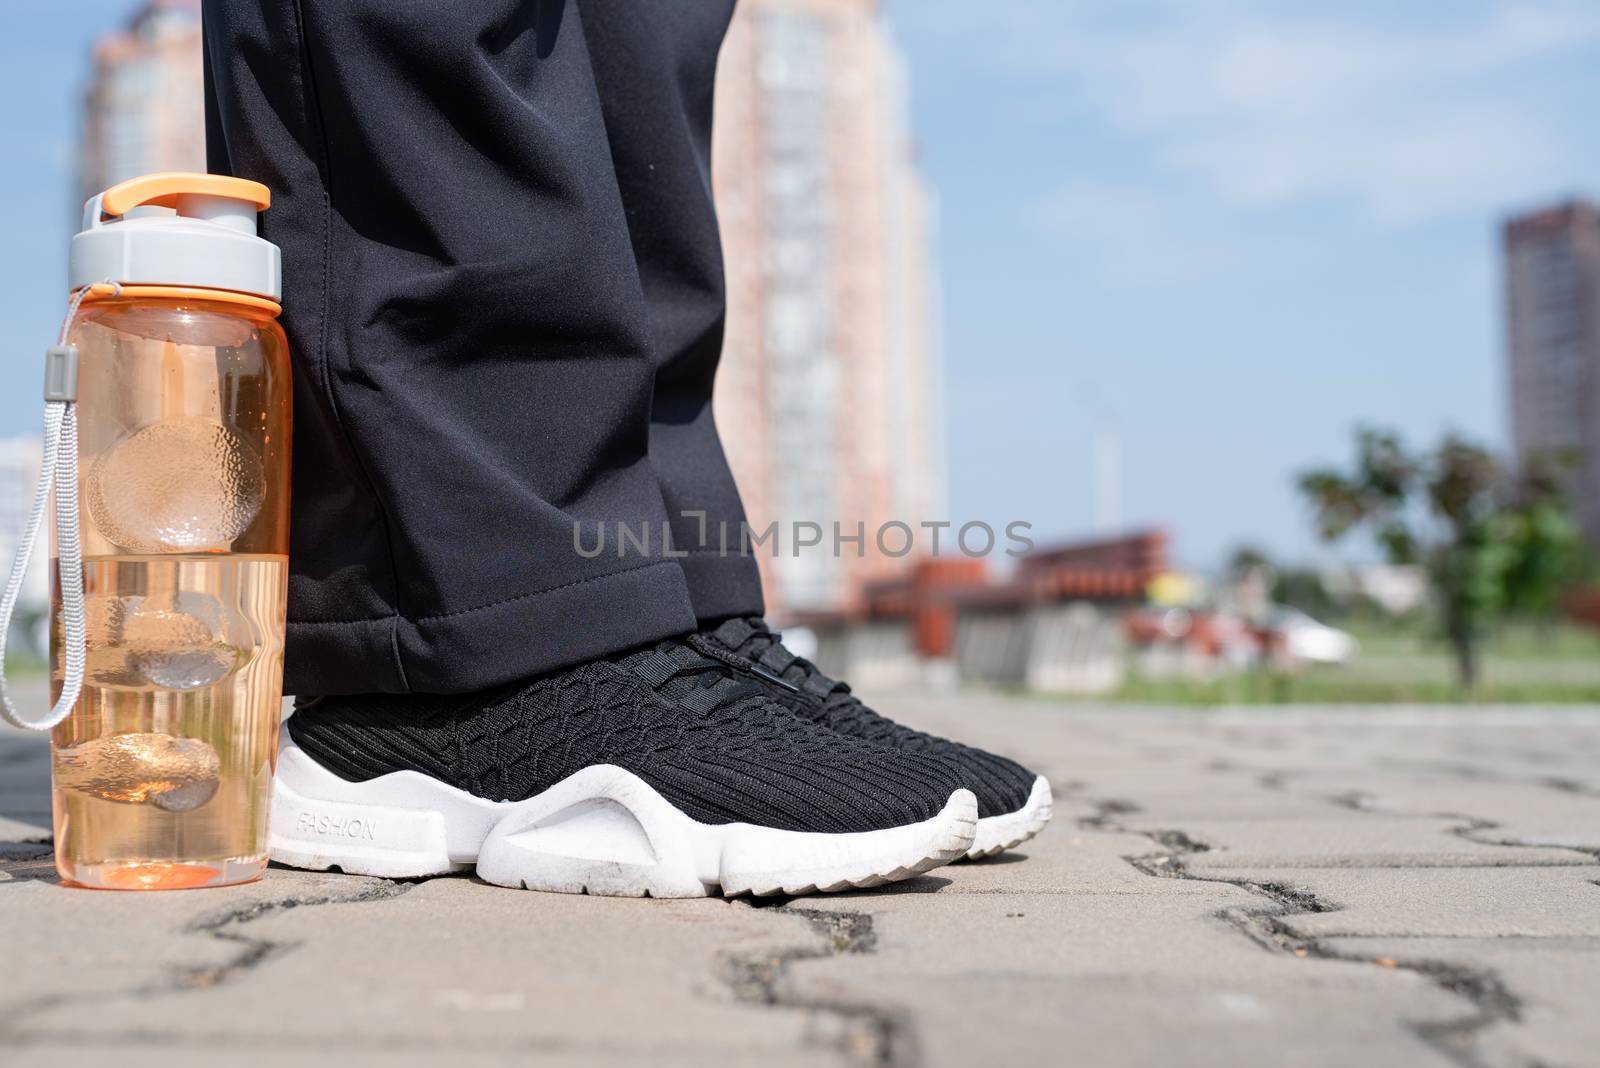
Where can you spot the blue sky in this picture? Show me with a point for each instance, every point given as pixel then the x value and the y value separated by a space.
pixel 44 61
pixel 1237 229
pixel 1233 229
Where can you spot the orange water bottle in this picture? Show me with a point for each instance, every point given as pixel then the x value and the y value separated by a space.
pixel 167 443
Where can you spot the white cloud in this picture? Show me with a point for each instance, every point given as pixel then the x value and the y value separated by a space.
pixel 1132 235
pixel 1410 164
pixel 1260 106
pixel 1406 125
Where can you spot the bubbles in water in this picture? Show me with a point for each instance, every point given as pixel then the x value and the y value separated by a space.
pixel 179 641
pixel 173 774
pixel 177 485
pixel 184 669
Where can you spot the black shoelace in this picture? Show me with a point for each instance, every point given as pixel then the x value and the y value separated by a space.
pixel 686 676
pixel 763 647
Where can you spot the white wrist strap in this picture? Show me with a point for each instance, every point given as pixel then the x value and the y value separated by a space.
pixel 60 468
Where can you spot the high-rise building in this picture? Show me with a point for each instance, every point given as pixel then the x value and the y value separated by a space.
pixel 144 109
pixel 1552 269
pixel 828 395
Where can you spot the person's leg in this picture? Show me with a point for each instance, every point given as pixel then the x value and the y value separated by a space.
pixel 474 368
pixel 654 64
pixel 475 375
pixel 656 96
pixel 656 93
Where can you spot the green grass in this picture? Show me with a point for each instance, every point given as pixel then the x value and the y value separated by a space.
pixel 22 666
pixel 1329 686
pixel 1515 640
pixel 1406 663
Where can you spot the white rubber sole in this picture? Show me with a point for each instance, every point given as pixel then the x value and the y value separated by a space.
pixel 996 834
pixel 602 830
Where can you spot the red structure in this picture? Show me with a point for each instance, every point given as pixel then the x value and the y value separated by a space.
pixel 936 592
pixel 1110 569
pixel 1583 606
pixel 929 598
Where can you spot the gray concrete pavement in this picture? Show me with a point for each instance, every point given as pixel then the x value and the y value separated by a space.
pixel 1308 887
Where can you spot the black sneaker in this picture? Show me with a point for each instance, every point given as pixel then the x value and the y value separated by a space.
pixel 1013 802
pixel 652 773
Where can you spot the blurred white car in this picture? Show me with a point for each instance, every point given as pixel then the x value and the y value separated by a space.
pixel 1306 639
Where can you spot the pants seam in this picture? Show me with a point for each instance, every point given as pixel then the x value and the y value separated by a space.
pixel 314 115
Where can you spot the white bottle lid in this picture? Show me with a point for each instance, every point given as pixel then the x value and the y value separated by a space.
pixel 208 240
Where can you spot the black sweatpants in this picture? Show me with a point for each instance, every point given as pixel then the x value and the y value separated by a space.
pixel 503 287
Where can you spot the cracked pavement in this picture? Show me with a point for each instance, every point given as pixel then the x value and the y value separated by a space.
pixel 1263 887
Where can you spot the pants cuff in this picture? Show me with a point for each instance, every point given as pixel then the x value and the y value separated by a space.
pixel 722 586
pixel 499 643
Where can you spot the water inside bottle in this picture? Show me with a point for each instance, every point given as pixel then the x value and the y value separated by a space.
pixel 160 774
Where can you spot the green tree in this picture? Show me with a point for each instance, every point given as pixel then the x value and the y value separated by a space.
pixel 1303 588
pixel 1550 556
pixel 1247 558
pixel 1491 540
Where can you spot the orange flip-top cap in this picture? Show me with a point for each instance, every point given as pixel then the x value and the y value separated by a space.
pixel 163 189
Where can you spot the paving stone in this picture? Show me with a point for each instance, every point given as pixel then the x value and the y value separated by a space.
pixel 1553 980
pixel 1441 902
pixel 1160 802
pixel 447 964
pixel 1139 1022
pixel 363 1051
pixel 26 860
pixel 1114 980
pixel 1089 935
pixel 1529 814
pixel 1352 840
pixel 1065 860
pixel 83 947
pixel 1072 955
pixel 22 832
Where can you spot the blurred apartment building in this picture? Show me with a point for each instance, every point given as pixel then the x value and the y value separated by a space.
pixel 828 395
pixel 1552 272
pixel 144 107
